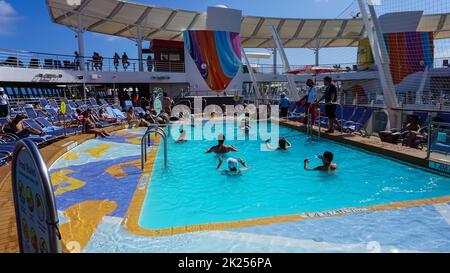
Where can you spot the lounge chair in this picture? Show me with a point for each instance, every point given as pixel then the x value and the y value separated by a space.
pixel 445 117
pixel 423 117
pixel 359 125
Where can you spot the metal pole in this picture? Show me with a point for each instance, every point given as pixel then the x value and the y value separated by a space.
pixel 275 60
pixel 381 57
pixel 317 51
pixel 139 46
pixel 429 138
pixel 80 37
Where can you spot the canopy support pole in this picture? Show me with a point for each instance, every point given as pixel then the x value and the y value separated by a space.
pixel 274 51
pixel 290 78
pixel 317 51
pixel 254 85
pixel 139 46
pixel 379 50
pixel 80 36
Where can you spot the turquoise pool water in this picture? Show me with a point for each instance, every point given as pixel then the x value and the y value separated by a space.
pixel 191 191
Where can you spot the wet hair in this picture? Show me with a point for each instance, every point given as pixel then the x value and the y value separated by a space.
pixel 327 79
pixel 221 139
pixel 234 169
pixel 19 117
pixel 328 156
pixel 282 143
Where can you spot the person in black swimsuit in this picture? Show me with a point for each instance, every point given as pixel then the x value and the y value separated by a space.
pixel 330 97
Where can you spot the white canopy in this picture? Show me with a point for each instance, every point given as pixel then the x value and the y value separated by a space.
pixel 122 18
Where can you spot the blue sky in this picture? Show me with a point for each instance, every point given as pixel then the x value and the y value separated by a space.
pixel 26 25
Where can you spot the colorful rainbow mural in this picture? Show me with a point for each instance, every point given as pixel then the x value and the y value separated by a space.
pixel 409 52
pixel 217 55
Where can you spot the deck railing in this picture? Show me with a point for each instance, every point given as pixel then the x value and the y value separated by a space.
pixel 39 60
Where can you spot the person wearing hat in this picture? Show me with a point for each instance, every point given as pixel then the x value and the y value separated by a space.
pixel 4 103
pixel 233 167
pixel 327 160
pixel 284 105
pixel 308 101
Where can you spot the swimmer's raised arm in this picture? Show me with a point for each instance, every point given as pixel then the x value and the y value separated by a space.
pixel 246 167
pixel 288 144
pixel 270 147
pixel 305 165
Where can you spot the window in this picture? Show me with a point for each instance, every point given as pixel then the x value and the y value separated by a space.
pixel 10 92
pixel 174 57
pixel 164 56
pixel 36 93
pixel 18 92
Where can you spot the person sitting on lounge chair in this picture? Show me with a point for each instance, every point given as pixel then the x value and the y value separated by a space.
pixel 133 120
pixel 17 127
pixel 393 136
pixel 105 116
pixel 89 125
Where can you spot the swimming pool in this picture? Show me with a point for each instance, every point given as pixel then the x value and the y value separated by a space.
pixel 191 192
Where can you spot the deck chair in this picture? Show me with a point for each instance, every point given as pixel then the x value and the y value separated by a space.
pixel 445 117
pixel 50 133
pixel 30 112
pixel 423 117
pixel 103 102
pixel 359 125
pixel 53 104
pixel 93 102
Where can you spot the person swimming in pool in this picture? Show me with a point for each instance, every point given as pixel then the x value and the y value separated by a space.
pixel 182 137
pixel 328 165
pixel 283 144
pixel 221 149
pixel 233 166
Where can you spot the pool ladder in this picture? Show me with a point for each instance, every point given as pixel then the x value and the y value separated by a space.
pixel 309 127
pixel 145 143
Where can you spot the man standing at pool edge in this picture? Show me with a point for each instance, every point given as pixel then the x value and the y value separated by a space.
pixel 330 97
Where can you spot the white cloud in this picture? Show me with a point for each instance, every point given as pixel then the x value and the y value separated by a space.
pixel 8 16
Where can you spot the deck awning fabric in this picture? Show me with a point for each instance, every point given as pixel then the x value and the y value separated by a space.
pixel 122 18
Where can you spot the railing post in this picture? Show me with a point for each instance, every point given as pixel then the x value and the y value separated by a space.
pixel 429 137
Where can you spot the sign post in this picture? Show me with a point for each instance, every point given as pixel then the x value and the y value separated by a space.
pixel 63 112
pixel 34 201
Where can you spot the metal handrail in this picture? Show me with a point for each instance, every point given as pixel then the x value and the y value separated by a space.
pixel 40 60
pixel 145 142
